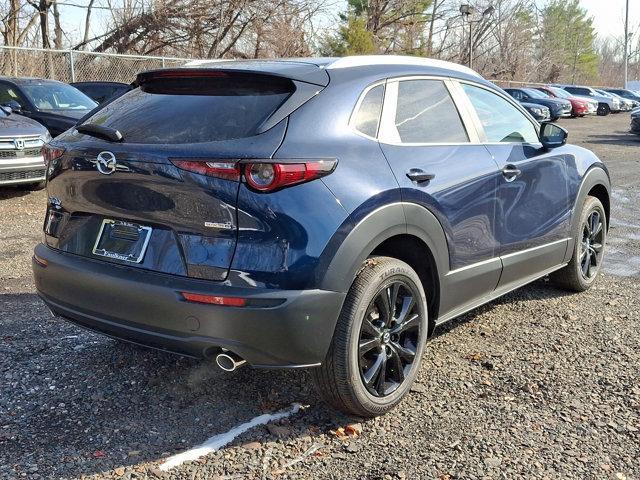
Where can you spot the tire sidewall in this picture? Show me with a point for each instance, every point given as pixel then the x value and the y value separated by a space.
pixel 396 271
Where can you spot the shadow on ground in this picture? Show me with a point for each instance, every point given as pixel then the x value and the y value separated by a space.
pixel 619 137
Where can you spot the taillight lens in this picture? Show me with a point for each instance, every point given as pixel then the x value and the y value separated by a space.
pixel 268 177
pixel 260 175
pixel 229 170
pixel 50 153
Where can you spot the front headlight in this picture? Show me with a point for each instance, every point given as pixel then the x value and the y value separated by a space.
pixel 537 111
pixel 45 137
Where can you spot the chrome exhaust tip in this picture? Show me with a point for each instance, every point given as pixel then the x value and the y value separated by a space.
pixel 229 361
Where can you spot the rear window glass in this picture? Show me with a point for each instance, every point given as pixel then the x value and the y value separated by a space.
pixel 195 109
pixel 367 118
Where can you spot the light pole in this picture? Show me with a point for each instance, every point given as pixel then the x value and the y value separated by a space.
pixel 626 45
pixel 466 11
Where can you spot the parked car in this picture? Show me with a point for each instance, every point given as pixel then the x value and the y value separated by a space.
pixel 21 141
pixel 54 104
pixel 606 105
pixel 628 94
pixel 635 121
pixel 580 106
pixel 537 111
pixel 557 106
pixel 625 105
pixel 317 213
pixel 100 92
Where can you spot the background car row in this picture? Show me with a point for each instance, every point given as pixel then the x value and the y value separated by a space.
pixel 573 100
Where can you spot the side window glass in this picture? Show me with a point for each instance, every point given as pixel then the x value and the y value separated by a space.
pixel 7 94
pixel 425 113
pixel 367 118
pixel 502 121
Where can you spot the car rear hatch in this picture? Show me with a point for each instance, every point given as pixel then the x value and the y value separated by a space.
pixel 151 180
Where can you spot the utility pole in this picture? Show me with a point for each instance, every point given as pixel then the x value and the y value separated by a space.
pixel 626 45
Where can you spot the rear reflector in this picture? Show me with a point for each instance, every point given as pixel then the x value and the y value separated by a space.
pixel 40 261
pixel 214 299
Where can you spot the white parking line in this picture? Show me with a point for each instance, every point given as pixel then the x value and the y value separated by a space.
pixel 220 440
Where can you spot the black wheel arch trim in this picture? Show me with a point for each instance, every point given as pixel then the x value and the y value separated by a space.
pixel 399 218
pixel 597 175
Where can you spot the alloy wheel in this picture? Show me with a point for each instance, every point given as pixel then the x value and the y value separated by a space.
pixel 389 338
pixel 591 248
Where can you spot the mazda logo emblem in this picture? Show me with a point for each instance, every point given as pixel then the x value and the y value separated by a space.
pixel 106 163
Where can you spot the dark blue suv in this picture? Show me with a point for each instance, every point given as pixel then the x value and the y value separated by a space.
pixel 317 213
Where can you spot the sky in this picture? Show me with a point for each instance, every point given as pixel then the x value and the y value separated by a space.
pixel 608 16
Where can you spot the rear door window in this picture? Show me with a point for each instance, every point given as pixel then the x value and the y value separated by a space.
pixel 178 109
pixel 367 118
pixel 425 113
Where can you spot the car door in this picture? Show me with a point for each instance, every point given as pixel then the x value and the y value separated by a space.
pixel 534 209
pixel 439 164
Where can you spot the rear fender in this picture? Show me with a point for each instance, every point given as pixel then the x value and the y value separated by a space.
pixel 381 224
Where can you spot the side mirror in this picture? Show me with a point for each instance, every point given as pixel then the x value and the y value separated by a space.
pixel 552 136
pixel 13 105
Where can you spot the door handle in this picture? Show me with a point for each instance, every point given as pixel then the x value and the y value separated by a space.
pixel 419 175
pixel 510 172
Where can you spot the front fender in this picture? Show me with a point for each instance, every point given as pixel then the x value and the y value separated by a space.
pixel 597 175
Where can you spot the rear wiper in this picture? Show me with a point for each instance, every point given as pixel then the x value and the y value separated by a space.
pixel 99 131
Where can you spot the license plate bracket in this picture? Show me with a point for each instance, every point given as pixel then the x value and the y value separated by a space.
pixel 123 241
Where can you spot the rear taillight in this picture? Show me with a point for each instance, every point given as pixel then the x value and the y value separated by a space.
pixel 50 153
pixel 268 177
pixel 229 170
pixel 260 175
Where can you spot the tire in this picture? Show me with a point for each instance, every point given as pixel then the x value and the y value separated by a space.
pixel 340 380
pixel 603 109
pixel 573 277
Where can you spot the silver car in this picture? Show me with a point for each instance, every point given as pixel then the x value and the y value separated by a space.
pixel 21 141
pixel 606 105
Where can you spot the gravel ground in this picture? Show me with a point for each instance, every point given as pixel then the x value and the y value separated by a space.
pixel 538 384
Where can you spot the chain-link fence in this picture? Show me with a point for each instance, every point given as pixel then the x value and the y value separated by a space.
pixel 77 66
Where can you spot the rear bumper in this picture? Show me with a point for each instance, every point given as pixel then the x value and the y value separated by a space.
pixel 22 170
pixel 146 308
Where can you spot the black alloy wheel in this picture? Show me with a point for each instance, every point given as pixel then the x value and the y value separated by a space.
pixel 377 346
pixel 591 247
pixel 388 339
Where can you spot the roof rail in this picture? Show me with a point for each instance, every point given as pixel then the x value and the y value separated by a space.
pixel 365 60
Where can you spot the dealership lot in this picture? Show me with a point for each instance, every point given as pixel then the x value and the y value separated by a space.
pixel 539 384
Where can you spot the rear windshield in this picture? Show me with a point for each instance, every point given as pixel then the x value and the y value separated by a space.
pixel 196 109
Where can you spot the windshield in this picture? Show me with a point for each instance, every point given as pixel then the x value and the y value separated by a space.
pixel 535 93
pixel 559 92
pixel 57 96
